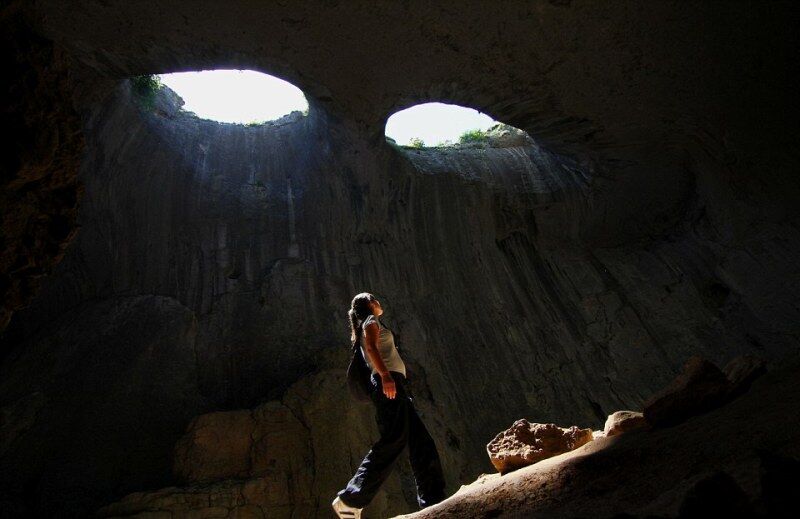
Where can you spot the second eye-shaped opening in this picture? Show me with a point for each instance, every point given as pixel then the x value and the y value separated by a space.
pixel 441 125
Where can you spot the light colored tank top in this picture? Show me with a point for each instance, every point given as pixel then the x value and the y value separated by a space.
pixel 386 347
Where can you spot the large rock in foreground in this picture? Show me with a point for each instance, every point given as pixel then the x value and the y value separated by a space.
pixel 525 443
pixel 700 387
pixel 739 460
pixel 624 421
pixel 742 371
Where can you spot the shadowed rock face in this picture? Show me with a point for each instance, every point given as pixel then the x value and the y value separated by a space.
pixel 652 218
pixel 39 189
pixel 737 460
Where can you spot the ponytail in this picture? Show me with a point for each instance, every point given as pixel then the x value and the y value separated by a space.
pixel 355 328
pixel 359 310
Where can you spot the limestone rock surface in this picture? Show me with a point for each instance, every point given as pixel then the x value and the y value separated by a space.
pixel 742 371
pixel 699 387
pixel 264 497
pixel 216 446
pixel 525 443
pixel 43 141
pixel 99 414
pixel 624 421
pixel 677 472
pixel 246 443
pixel 265 462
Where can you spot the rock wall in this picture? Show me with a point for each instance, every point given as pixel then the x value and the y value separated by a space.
pixel 84 408
pixel 39 188
pixel 653 218
pixel 283 458
pixel 262 234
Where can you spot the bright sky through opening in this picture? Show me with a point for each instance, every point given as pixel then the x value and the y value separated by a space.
pixel 435 123
pixel 235 96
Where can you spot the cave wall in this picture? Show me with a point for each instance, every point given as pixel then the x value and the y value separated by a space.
pixel 652 219
pixel 39 192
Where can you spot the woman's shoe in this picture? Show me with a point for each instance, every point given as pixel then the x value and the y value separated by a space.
pixel 344 511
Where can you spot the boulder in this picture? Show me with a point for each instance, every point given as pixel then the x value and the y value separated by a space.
pixel 741 372
pixel 525 443
pixel 624 421
pixel 265 462
pixel 700 387
pixel 244 443
pixel 215 446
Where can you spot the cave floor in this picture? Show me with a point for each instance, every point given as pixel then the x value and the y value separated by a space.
pixel 735 460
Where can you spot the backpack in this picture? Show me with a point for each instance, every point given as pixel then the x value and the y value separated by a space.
pixel 358 377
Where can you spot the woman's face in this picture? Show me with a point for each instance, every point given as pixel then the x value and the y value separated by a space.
pixel 375 307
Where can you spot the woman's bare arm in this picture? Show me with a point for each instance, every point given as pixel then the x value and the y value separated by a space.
pixel 371 348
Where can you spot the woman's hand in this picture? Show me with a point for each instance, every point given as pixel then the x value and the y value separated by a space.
pixel 389 388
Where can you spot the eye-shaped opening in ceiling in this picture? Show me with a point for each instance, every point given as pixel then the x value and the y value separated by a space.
pixel 443 125
pixel 232 96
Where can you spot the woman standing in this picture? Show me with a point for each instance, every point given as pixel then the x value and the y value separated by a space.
pixel 398 421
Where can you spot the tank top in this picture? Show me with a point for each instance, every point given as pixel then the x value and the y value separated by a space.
pixel 386 347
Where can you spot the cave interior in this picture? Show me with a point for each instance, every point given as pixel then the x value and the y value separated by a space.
pixel 166 277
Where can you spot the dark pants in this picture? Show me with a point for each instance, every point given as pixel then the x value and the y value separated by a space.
pixel 399 425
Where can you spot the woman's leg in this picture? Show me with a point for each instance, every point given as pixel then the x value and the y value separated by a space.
pixel 392 416
pixel 425 462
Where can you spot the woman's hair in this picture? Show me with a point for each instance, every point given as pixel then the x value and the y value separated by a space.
pixel 359 310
